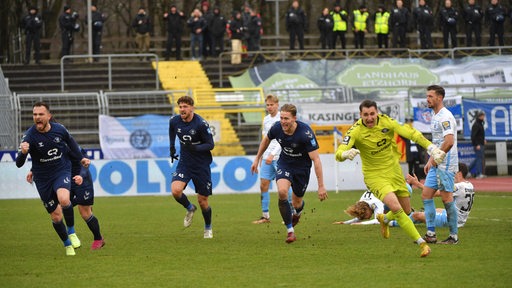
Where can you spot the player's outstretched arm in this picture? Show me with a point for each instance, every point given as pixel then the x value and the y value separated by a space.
pixel 315 157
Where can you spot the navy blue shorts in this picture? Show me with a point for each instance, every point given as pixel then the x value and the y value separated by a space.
pixel 298 177
pixel 82 194
pixel 200 176
pixel 48 187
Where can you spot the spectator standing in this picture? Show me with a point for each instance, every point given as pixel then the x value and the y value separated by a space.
pixel 236 34
pixel 296 24
pixel 143 29
pixel 448 22
pixel 423 19
pixel 254 29
pixel 68 26
pixel 207 46
pixel 398 21
pixel 32 24
pixel 478 141
pixel 340 18
pixel 473 17
pixel 412 151
pixel 217 29
pixel 97 19
pixel 175 20
pixel 360 24
pixel 197 24
pixel 381 20
pixel 325 25
pixel 495 18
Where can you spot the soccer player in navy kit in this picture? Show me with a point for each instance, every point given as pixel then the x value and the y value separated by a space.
pixel 196 142
pixel 299 149
pixel 51 146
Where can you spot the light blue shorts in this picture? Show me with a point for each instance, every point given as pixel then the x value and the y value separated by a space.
pixel 268 171
pixel 440 180
pixel 441 219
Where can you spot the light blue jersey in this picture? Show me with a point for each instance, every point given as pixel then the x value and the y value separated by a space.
pixel 443 123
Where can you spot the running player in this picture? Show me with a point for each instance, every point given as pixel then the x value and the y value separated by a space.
pixel 269 161
pixel 51 146
pixel 196 143
pixel 373 135
pixel 440 175
pixel 299 149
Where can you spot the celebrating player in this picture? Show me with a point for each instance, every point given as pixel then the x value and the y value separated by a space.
pixel 51 146
pixel 196 142
pixel 270 156
pixel 441 174
pixel 299 149
pixel 373 135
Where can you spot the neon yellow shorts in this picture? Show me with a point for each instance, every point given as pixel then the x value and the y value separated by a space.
pixel 384 182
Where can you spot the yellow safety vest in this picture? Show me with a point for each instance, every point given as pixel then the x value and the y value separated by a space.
pixel 339 23
pixel 381 23
pixel 360 20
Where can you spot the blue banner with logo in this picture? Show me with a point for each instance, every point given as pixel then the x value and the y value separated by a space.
pixel 144 136
pixel 498 118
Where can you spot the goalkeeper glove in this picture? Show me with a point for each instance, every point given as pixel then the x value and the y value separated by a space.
pixel 436 153
pixel 173 154
pixel 350 154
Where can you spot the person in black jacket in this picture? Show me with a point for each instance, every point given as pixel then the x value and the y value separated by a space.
pixel 254 32
pixel 423 19
pixel 495 18
pixel 197 24
pixel 398 22
pixel 473 17
pixel 32 24
pixel 207 46
pixel 97 19
pixel 143 29
pixel 217 29
pixel 448 22
pixel 325 25
pixel 478 141
pixel 175 20
pixel 236 33
pixel 68 26
pixel 296 24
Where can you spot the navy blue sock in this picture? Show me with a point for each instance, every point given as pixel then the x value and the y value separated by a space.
pixel 69 217
pixel 299 210
pixel 60 228
pixel 207 215
pixel 183 200
pixel 94 226
pixel 286 211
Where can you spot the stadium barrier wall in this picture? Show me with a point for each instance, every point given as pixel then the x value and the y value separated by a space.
pixel 153 177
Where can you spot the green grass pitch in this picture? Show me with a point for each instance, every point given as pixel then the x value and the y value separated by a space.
pixel 147 246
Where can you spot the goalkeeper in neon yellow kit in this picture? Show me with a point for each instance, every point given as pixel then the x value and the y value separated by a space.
pixel 373 136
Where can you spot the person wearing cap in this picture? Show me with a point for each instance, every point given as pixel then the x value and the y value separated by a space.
pixel 360 24
pixel 175 20
pixel 68 26
pixel 32 24
pixel 97 19
pixel 478 141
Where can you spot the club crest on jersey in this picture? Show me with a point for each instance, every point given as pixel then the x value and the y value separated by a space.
pixel 384 130
pixel 192 132
pixel 446 125
pixel 56 139
pixel 313 142
pixel 346 139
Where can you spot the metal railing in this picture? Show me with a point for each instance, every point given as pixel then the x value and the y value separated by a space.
pixel 109 57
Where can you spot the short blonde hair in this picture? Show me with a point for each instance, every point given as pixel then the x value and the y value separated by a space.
pixel 272 98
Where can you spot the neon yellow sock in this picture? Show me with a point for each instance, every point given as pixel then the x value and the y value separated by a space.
pixel 390 215
pixel 406 224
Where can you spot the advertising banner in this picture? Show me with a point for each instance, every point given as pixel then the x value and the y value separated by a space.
pixel 498 118
pixel 422 114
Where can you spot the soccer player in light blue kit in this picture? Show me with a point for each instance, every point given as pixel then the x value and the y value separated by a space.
pixel 51 147
pixel 269 161
pixel 441 175
pixel 196 143
pixel 299 149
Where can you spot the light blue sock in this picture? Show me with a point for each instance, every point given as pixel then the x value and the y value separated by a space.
pixel 265 201
pixel 451 214
pixel 430 214
pixel 290 192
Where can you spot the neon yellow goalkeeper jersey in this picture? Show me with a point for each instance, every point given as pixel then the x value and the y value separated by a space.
pixel 377 145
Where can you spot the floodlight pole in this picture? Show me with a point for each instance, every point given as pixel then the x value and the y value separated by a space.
pixel 89 30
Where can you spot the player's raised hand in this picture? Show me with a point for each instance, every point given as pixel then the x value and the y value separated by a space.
pixel 24 146
pixel 350 154
pixel 85 162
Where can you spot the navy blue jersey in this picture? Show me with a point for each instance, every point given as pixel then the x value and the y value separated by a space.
pixel 50 151
pixel 295 148
pixel 195 138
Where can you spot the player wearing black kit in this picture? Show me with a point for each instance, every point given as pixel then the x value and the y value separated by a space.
pixel 196 142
